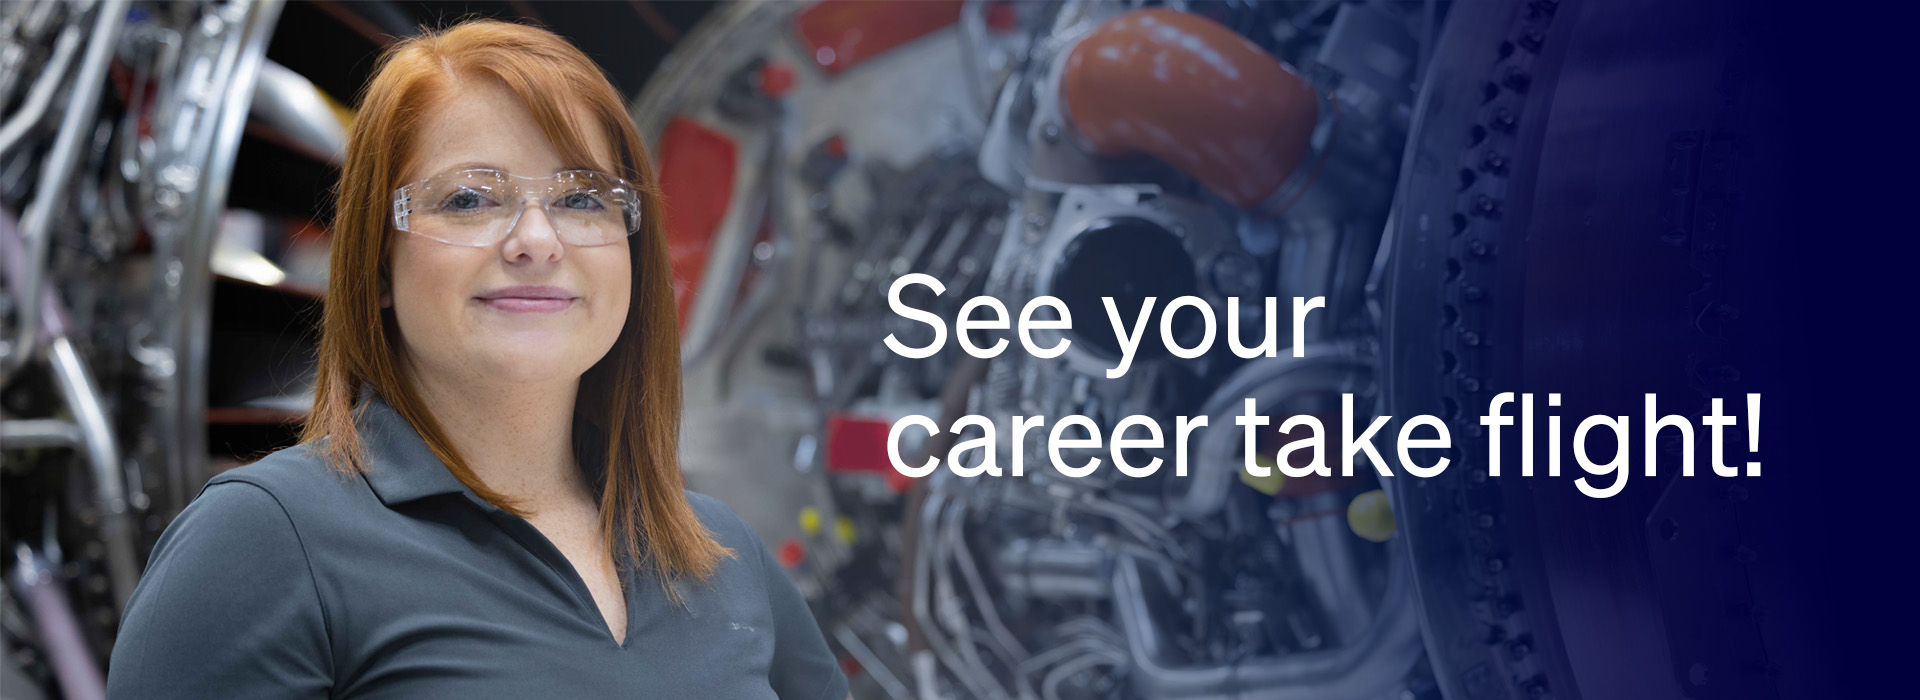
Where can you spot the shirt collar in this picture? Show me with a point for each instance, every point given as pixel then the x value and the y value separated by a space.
pixel 401 468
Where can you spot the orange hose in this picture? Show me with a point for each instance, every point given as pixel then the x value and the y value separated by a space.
pixel 1186 90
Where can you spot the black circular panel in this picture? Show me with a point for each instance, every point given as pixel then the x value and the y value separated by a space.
pixel 1129 259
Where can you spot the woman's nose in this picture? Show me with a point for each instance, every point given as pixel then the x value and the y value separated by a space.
pixel 533 236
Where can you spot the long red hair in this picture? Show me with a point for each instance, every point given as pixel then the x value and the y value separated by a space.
pixel 633 394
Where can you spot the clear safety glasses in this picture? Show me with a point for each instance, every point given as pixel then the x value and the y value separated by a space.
pixel 478 208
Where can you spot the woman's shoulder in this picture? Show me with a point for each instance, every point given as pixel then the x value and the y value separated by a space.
pixel 732 531
pixel 231 566
pixel 241 523
pixel 297 473
pixel 293 492
pixel 261 498
pixel 726 524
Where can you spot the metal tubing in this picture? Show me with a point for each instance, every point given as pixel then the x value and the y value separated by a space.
pixel 38 432
pixel 40 96
pixel 57 173
pixel 196 280
pixel 1373 665
pixel 74 668
pixel 103 456
pixel 289 102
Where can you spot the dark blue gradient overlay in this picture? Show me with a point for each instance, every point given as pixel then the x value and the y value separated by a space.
pixel 1771 253
pixel 1836 273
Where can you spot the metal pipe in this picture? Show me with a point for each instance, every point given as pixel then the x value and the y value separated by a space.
pixel 1373 665
pixel 196 279
pixel 92 430
pixel 1055 569
pixel 38 432
pixel 949 607
pixel 56 174
pixel 40 97
pixel 1049 686
pixel 1324 547
pixel 289 102
pixel 970 572
pixel 103 456
pixel 923 561
pixel 198 119
pixel 74 668
pixel 871 663
pixel 1330 369
pixel 1063 652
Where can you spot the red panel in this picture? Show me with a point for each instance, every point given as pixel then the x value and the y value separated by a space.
pixel 696 174
pixel 857 444
pixel 840 34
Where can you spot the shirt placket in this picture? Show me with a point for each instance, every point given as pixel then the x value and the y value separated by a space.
pixel 537 544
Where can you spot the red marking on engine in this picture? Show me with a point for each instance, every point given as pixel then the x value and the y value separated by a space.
pixel 856 444
pixel 840 34
pixel 696 175
pixel 776 78
pixel 1001 18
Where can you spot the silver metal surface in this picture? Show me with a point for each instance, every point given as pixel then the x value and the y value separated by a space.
pixel 33 433
pixel 33 111
pixel 82 395
pixel 291 104
pixel 57 171
pixel 1326 370
pixel 58 627
pixel 1369 666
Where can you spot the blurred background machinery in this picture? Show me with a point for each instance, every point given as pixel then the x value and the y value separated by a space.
pixel 1076 150
pixel 164 179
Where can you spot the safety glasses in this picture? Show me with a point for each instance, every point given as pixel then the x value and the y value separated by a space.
pixel 479 207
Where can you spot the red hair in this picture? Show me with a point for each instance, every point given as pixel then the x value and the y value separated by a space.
pixel 632 394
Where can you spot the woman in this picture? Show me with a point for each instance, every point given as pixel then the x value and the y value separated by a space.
pixel 486 502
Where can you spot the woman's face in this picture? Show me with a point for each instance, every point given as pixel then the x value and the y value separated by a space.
pixel 454 323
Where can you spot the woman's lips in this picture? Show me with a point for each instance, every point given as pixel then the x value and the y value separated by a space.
pixel 527 303
pixel 528 300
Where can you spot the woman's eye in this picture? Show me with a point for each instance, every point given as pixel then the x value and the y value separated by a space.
pixel 582 201
pixel 463 201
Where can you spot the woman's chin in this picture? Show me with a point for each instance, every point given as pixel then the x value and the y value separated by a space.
pixel 528 363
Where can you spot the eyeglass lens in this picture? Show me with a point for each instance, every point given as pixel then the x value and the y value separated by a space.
pixel 480 207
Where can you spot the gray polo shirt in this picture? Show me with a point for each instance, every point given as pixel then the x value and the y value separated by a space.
pixel 287 579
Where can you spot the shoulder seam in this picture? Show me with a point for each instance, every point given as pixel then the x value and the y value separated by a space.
pixel 326 616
